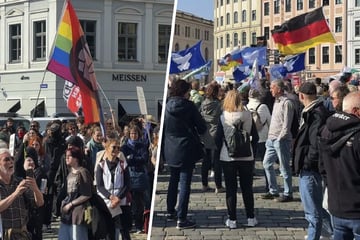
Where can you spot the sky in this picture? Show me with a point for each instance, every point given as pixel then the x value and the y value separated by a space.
pixel 200 8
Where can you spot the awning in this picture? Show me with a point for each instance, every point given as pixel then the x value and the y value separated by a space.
pixel 128 108
pixel 28 107
pixel 10 106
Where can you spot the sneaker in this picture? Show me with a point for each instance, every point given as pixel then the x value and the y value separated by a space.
pixel 284 198
pixel 171 216
pixel 220 190
pixel 212 174
pixel 321 237
pixel 230 224
pixel 270 196
pixel 252 222
pixel 139 231
pixel 185 224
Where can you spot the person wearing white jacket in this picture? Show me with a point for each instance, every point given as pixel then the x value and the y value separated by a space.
pixel 233 168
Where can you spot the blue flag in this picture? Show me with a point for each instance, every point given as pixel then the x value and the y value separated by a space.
pixel 250 54
pixel 241 72
pixel 188 59
pixel 295 63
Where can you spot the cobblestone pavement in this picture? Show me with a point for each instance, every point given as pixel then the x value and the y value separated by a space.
pixel 276 220
pixel 56 224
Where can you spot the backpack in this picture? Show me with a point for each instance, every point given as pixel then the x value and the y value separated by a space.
pixel 237 141
pixel 256 117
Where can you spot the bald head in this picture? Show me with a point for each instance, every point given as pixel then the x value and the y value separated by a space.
pixel 351 103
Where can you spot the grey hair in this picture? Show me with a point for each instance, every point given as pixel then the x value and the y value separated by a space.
pixel 280 84
pixel 4 150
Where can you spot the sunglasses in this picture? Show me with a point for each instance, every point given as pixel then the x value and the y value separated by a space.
pixel 34 126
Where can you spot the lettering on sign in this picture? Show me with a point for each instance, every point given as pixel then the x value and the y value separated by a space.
pixel 129 77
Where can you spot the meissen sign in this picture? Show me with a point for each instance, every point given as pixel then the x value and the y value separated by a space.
pixel 129 77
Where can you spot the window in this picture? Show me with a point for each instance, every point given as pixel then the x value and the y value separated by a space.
pixel 177 47
pixel 236 39
pixel 325 54
pixel 338 24
pixel 311 3
pixel 177 29
pixel 217 22
pixel 187 31
pixel 164 42
pixel 221 2
pixel 40 40
pixel 357 3
pixel 357 56
pixel 15 43
pixel 89 28
pixel 325 3
pixel 227 40
pixel 267 33
pixel 276 6
pixel 236 17
pixel 299 5
pixel 243 38
pixel 253 15
pixel 127 37
pixel 227 18
pixel 338 1
pixel 235 1
pixel 221 42
pixel 288 6
pixel 206 35
pixel 221 20
pixel 243 17
pixel 253 38
pixel 312 56
pixel 338 54
pixel 227 1
pixel 266 9
pixel 357 28
pixel 197 33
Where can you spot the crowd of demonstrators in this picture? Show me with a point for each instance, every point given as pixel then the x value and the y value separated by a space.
pixel 64 160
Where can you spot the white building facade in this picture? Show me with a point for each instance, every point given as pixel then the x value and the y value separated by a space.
pixel 128 39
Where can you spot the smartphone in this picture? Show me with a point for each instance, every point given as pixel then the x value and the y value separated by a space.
pixel 30 172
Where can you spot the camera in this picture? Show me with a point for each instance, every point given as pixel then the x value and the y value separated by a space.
pixel 30 172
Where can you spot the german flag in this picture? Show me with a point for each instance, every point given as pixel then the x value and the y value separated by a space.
pixel 302 32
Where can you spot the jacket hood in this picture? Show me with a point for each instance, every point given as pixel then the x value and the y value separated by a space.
pixel 339 122
pixel 178 106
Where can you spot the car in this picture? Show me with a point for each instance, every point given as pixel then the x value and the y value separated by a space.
pixel 18 120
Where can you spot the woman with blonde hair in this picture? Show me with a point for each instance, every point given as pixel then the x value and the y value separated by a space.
pixel 235 114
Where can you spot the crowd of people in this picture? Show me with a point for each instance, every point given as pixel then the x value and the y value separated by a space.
pixel 310 131
pixel 77 173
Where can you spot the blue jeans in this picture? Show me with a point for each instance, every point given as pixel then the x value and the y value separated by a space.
pixel 310 187
pixel 346 229
pixel 278 150
pixel 183 176
pixel 73 232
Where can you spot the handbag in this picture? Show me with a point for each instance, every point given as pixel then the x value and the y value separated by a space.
pixel 139 179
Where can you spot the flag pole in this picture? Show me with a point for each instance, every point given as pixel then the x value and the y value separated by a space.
pixel 37 98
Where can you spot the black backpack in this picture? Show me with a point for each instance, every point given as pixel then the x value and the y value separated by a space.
pixel 237 141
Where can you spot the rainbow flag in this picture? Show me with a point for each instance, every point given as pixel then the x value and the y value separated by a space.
pixel 71 60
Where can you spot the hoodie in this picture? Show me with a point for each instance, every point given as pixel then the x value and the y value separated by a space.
pixel 340 164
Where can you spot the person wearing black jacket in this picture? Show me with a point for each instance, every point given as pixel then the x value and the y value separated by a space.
pixel 340 164
pixel 306 157
pixel 181 150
